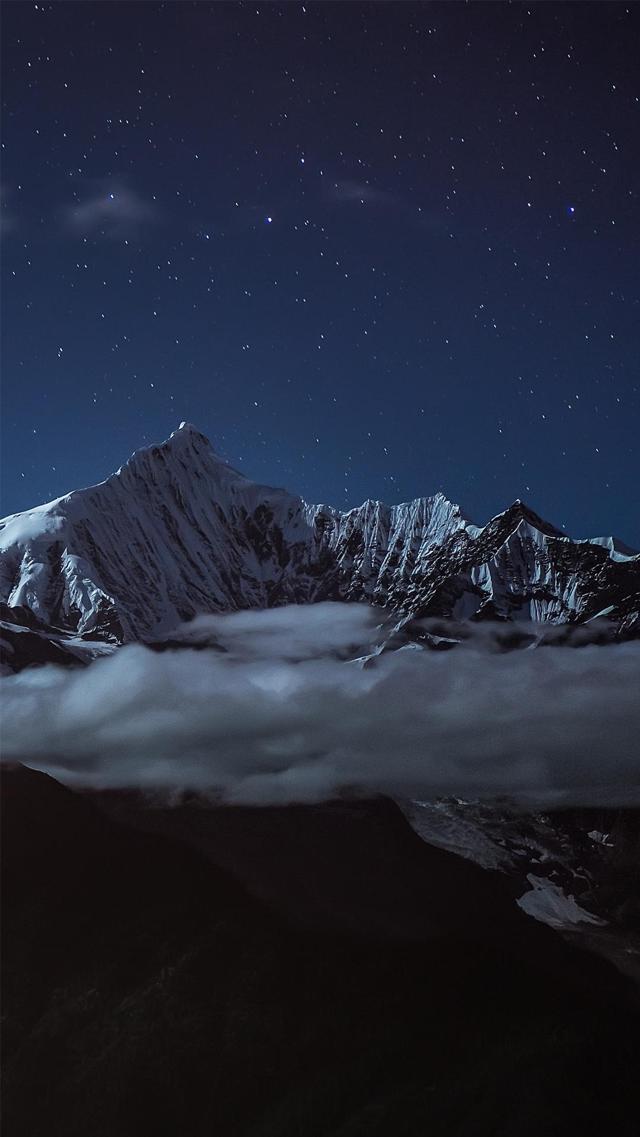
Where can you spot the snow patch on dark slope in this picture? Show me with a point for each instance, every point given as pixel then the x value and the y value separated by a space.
pixel 176 532
pixel 575 869
pixel 25 641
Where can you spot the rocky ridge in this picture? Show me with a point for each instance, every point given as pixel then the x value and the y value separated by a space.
pixel 176 532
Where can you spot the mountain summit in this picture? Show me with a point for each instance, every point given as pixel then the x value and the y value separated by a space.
pixel 176 532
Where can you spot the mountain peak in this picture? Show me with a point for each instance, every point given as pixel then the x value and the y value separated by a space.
pixel 177 531
pixel 187 428
pixel 187 432
pixel 522 512
pixel 187 441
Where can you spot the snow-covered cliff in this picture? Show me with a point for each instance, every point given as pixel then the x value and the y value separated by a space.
pixel 176 531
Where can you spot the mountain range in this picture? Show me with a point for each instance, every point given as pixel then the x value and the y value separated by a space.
pixel 357 966
pixel 176 532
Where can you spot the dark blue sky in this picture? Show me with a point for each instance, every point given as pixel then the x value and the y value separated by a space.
pixel 372 250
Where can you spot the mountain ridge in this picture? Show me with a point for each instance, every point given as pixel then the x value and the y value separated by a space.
pixel 176 531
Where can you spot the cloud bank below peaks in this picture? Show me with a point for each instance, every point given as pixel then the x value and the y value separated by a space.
pixel 275 709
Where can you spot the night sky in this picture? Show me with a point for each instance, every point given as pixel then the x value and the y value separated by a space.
pixel 371 250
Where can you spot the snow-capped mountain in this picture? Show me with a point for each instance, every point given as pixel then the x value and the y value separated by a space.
pixel 176 532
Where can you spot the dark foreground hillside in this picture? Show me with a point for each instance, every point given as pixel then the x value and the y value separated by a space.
pixel 147 992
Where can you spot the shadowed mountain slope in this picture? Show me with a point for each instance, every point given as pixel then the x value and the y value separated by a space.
pixel 146 992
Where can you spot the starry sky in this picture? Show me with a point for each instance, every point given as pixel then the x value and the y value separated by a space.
pixel 371 250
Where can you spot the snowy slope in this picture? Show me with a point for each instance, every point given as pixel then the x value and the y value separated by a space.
pixel 176 532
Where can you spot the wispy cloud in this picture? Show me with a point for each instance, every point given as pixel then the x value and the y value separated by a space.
pixel 361 192
pixel 275 714
pixel 352 192
pixel 110 208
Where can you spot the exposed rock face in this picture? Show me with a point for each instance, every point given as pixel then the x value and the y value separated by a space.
pixel 25 641
pixel 176 532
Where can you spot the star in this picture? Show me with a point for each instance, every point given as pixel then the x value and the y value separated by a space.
pixel 117 249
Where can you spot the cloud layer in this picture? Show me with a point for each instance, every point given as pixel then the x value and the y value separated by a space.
pixel 111 208
pixel 276 714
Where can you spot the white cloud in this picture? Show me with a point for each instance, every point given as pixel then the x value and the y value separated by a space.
pixel 277 715
pixel 349 190
pixel 110 208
